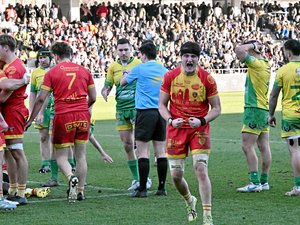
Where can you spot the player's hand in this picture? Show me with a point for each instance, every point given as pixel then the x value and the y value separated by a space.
pixel 26 78
pixel 39 119
pixel 107 158
pixel 177 123
pixel 194 122
pixel 272 121
pixel 3 126
pixel 105 94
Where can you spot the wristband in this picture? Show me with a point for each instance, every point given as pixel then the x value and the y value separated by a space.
pixel 202 120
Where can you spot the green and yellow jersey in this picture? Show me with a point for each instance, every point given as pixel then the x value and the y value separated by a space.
pixel 288 78
pixel 125 96
pixel 37 78
pixel 257 83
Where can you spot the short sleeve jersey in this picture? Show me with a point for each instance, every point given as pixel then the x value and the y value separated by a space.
pixel 37 78
pixel 189 94
pixel 15 70
pixel 257 83
pixel 149 77
pixel 288 78
pixel 69 83
pixel 125 95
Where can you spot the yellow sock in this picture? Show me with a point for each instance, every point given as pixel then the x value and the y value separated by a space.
pixel 187 198
pixel 21 190
pixel 13 189
pixel 80 189
pixel 206 209
pixel 69 175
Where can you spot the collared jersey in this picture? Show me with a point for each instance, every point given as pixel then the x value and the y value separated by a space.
pixel 257 83
pixel 148 77
pixel 15 70
pixel 189 94
pixel 288 78
pixel 125 95
pixel 69 83
pixel 36 81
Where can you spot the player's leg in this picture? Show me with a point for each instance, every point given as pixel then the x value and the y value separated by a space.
pixel 45 150
pixel 124 123
pixel 159 137
pixel 81 172
pixel 200 162
pixel 4 204
pixel 144 167
pixel 15 148
pixel 266 159
pixel 162 166
pixel 248 143
pixel 294 149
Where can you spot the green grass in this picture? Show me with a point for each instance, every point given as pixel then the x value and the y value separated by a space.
pixel 108 202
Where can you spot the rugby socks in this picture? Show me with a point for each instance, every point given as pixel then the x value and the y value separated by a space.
pixel 133 166
pixel 264 178
pixel 297 181
pixel 254 177
pixel 144 168
pixel 80 190
pixel 206 209
pixel 162 168
pixel 188 198
pixel 72 162
pixel 69 176
pixel 13 189
pixel 46 163
pixel 21 190
pixel 54 169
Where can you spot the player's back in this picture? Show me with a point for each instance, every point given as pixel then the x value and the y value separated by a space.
pixel 69 83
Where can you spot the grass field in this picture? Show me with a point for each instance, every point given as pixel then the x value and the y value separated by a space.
pixel 108 202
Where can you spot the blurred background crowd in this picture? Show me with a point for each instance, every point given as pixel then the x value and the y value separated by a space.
pixel 93 38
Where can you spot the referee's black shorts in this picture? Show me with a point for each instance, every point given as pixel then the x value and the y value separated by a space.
pixel 149 125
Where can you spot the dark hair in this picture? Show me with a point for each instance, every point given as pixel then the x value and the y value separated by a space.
pixel 149 49
pixel 190 47
pixel 293 46
pixel 62 49
pixel 123 41
pixel 8 40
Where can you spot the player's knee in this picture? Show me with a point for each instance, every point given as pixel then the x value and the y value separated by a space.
pixel 200 160
pixel 176 168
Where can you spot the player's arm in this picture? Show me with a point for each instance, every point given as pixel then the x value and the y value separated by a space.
pixel 215 108
pixel 163 105
pixel 3 124
pixel 123 81
pixel 32 97
pixel 44 94
pixel 40 116
pixel 272 105
pixel 92 95
pixel 98 146
pixel 14 84
pixel 241 51
pixel 105 92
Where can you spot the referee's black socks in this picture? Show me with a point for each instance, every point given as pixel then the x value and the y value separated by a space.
pixel 143 172
pixel 162 168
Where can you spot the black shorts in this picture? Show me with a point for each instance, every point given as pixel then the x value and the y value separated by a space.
pixel 149 125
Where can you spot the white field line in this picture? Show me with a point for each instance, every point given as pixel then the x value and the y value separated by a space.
pixel 126 193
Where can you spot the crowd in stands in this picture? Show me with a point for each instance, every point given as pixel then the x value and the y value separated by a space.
pixel 217 29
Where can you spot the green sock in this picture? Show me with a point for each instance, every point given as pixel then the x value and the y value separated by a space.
pixel 54 169
pixel 72 162
pixel 133 166
pixel 264 178
pixel 297 181
pixel 46 162
pixel 254 177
